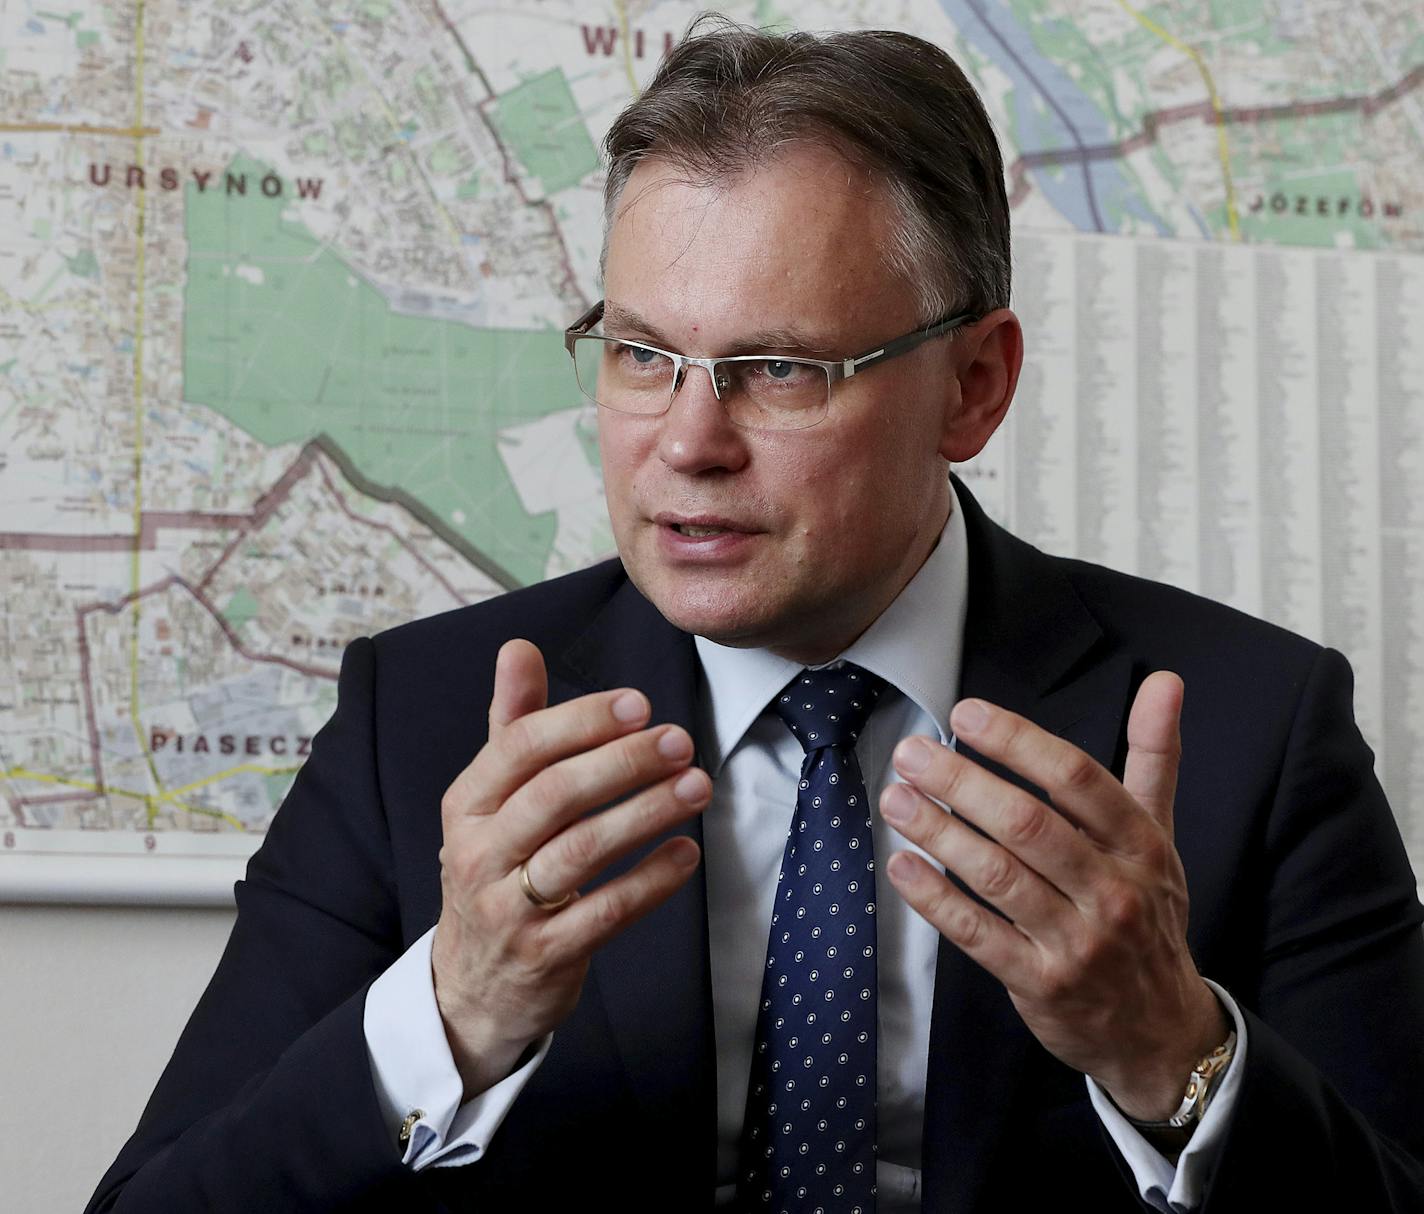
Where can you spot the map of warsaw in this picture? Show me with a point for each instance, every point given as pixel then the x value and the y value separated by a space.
pixel 281 291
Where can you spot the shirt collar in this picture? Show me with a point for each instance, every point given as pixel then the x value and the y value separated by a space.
pixel 915 645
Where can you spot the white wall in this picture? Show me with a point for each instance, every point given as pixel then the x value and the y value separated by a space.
pixel 91 1003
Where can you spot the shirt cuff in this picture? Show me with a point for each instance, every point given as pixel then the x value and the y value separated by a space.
pixel 414 1072
pixel 1180 1189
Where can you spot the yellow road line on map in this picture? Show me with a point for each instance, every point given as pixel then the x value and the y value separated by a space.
pixel 259 768
pixel 621 7
pixel 73 128
pixel 9 302
pixel 136 563
pixel 1223 151
pixel 39 777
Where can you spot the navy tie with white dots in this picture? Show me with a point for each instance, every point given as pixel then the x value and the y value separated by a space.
pixel 808 1140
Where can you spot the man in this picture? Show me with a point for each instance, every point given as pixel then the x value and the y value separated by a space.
pixel 590 963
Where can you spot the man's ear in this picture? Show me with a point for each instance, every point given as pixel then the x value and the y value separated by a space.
pixel 986 360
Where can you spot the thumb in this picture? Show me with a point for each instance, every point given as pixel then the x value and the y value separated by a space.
pixel 521 685
pixel 1154 744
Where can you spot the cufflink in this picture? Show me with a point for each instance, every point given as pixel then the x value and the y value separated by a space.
pixel 409 1124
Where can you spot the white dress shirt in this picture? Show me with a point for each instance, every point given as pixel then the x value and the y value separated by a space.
pixel 755 763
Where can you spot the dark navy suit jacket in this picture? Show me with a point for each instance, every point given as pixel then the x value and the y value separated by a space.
pixel 1303 906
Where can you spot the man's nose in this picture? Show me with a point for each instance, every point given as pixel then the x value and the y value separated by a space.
pixel 697 435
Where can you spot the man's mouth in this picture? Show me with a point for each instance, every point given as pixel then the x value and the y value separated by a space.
pixel 699 527
pixel 703 540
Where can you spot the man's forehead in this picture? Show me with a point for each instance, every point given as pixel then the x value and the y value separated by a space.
pixel 781 255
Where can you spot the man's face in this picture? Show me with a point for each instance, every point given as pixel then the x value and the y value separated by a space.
pixel 818 529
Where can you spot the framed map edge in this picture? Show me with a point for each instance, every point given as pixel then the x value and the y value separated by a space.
pixel 121 880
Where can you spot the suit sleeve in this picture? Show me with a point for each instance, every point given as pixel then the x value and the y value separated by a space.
pixel 1331 1106
pixel 268 1101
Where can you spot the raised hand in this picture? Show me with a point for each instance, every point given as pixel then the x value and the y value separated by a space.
pixel 1093 951
pixel 506 970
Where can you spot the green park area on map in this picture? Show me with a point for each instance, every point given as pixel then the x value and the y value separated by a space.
pixel 284 339
pixel 541 123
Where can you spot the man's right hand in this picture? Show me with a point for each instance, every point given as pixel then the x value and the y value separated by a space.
pixel 507 972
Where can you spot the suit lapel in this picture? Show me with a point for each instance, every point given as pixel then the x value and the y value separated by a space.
pixel 654 977
pixel 1030 646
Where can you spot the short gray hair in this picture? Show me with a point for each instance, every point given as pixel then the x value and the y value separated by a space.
pixel 727 96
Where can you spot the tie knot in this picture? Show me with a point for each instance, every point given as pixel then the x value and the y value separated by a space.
pixel 828 707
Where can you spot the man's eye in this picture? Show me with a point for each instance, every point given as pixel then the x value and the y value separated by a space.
pixel 779 368
pixel 640 355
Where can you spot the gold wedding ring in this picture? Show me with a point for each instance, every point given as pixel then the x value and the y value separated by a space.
pixel 534 896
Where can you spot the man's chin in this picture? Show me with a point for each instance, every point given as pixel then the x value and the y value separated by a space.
pixel 745 617
pixel 710 607
pixel 739 630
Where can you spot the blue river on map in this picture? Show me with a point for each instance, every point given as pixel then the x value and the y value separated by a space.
pixel 1051 112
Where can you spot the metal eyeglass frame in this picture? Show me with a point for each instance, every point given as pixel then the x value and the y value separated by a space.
pixel 835 369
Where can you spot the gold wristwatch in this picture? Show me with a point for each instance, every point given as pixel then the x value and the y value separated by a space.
pixel 1204 1083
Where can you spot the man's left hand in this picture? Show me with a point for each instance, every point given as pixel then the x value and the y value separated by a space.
pixel 1093 951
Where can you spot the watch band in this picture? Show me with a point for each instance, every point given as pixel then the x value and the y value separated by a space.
pixel 1204 1083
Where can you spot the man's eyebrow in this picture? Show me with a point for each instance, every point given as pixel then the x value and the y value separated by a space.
pixel 620 321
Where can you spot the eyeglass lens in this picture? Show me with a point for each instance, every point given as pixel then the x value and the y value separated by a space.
pixel 762 393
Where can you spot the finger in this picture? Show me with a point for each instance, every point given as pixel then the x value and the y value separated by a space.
pixel 1154 744
pixel 591 921
pixel 1081 789
pixel 997 875
pixel 521 684
pixel 526 745
pixel 1016 819
pixel 996 945
pixel 564 792
pixel 575 856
